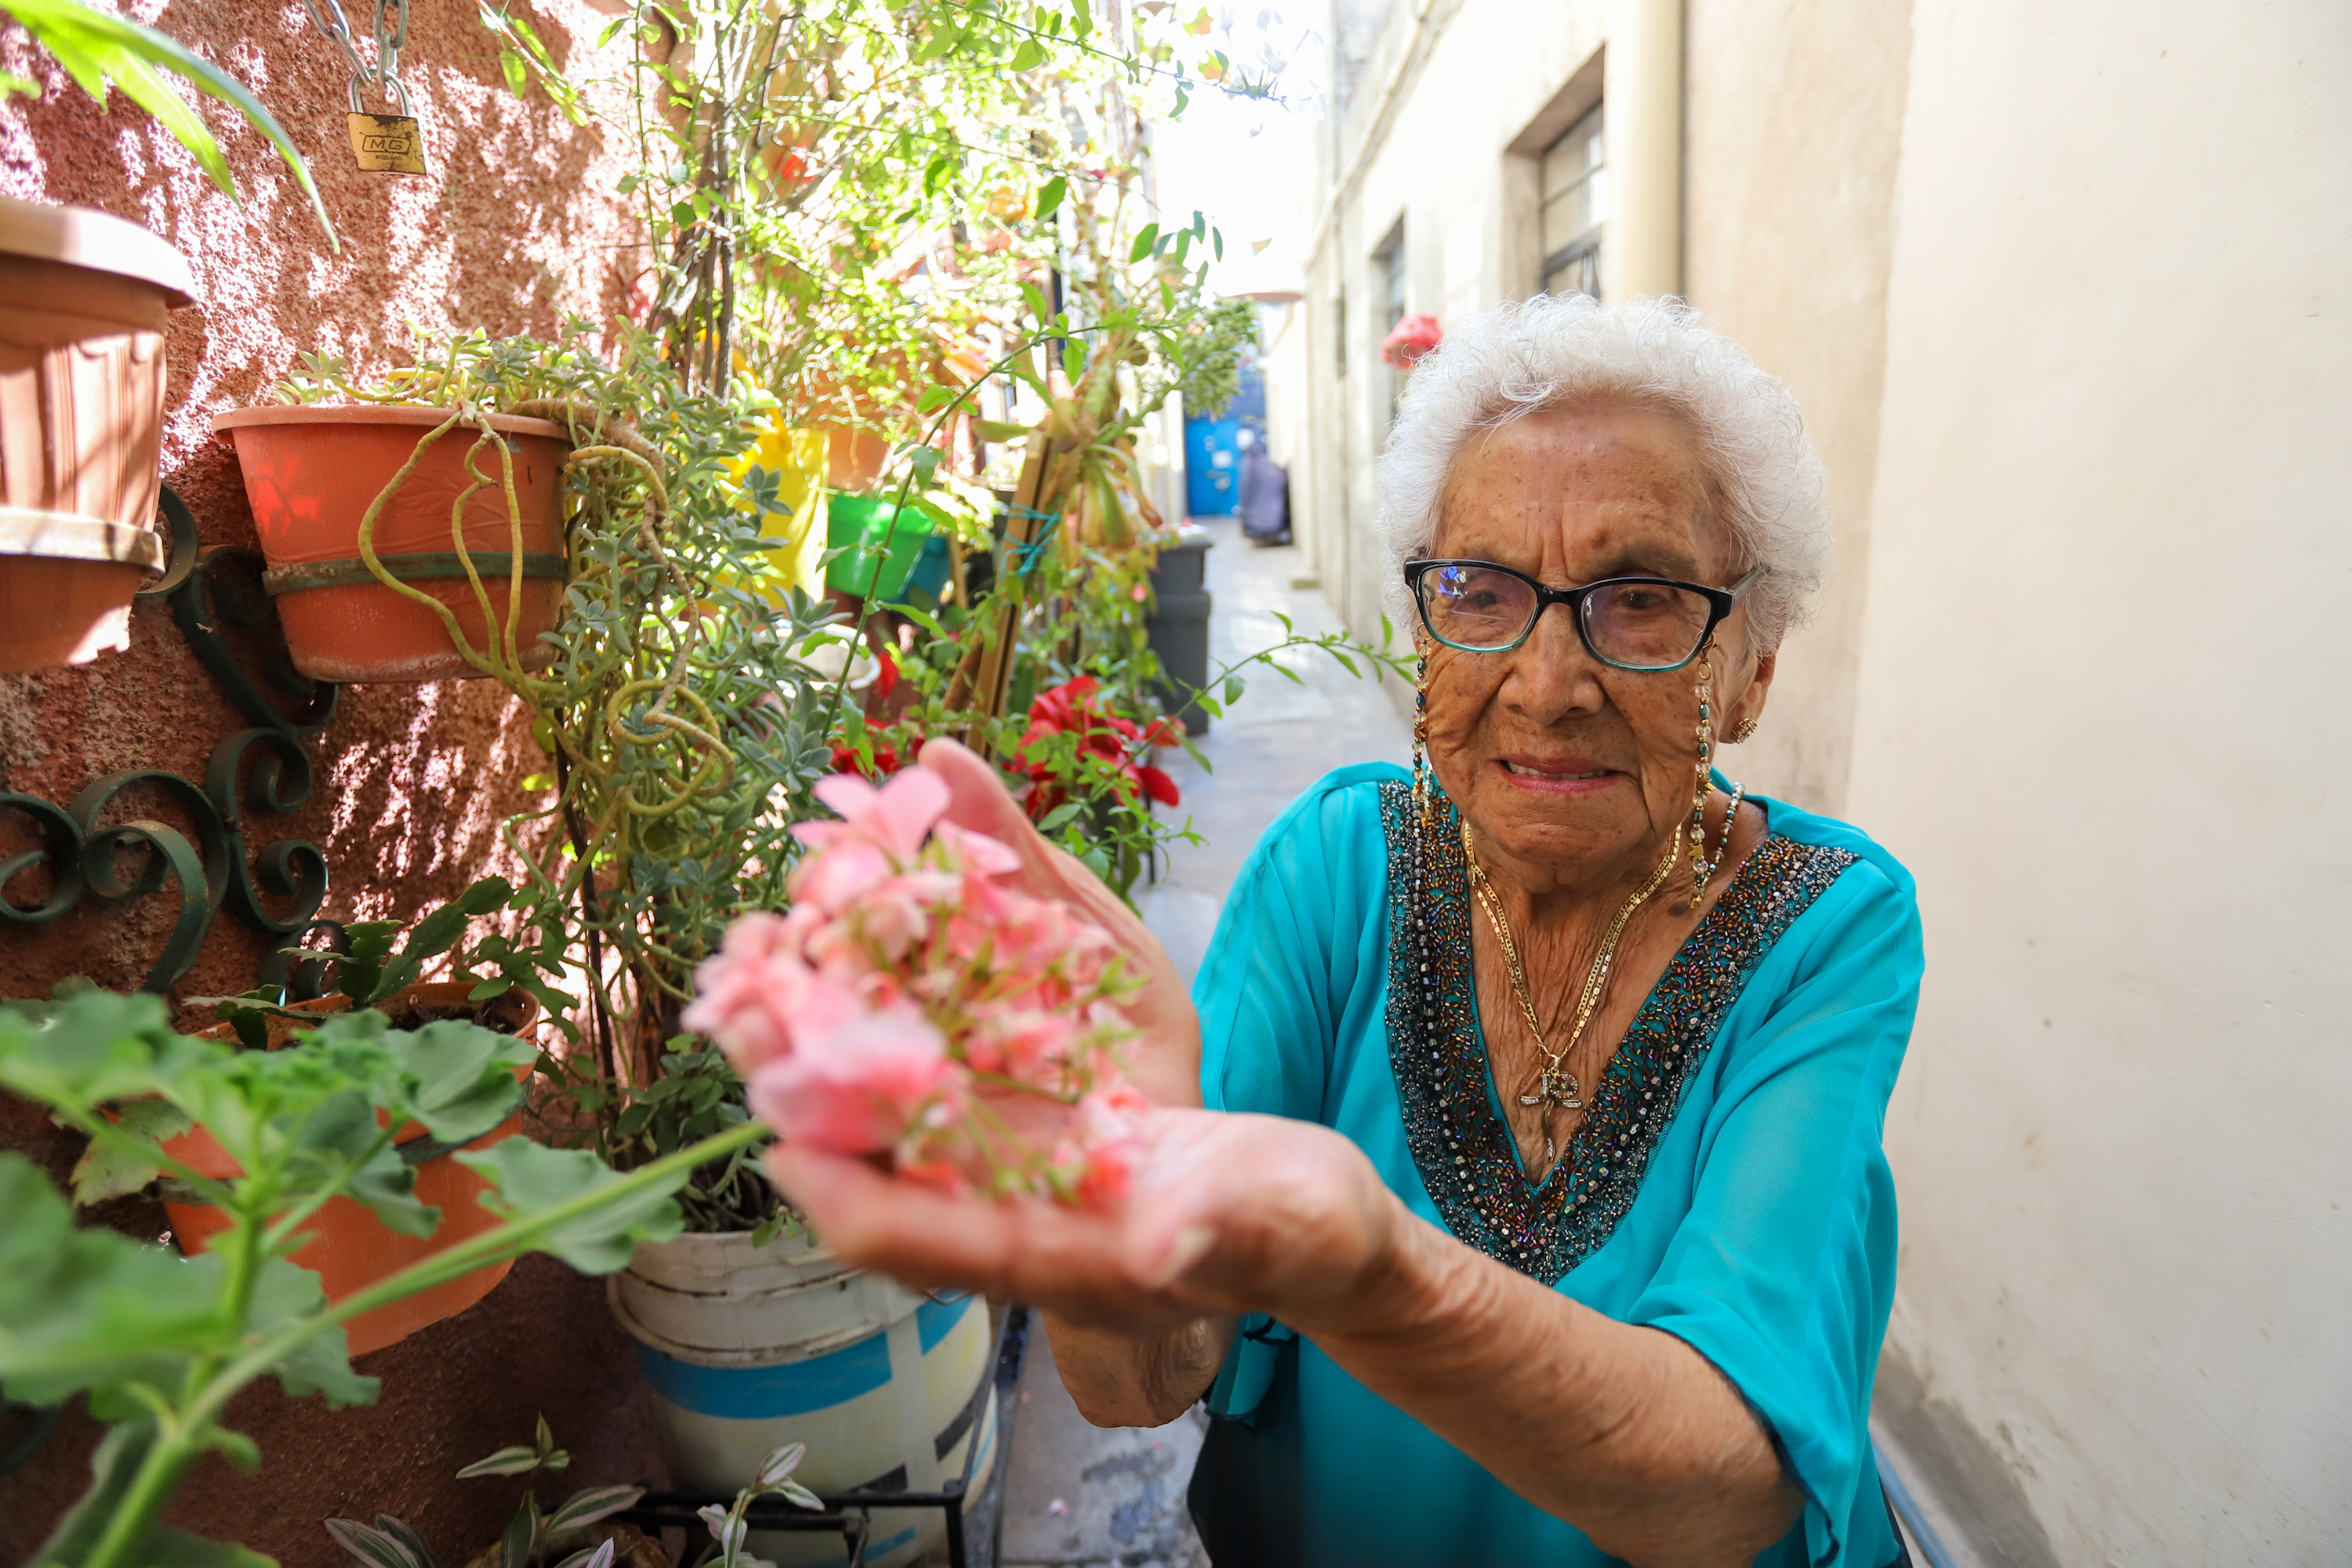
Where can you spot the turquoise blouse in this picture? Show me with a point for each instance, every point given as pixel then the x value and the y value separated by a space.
pixel 1727 1186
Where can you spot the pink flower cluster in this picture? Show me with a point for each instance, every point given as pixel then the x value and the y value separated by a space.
pixel 913 1006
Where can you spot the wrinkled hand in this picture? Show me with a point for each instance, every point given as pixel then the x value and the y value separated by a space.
pixel 1229 1214
pixel 1165 1062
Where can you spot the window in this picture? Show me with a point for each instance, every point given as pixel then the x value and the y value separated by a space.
pixel 1575 204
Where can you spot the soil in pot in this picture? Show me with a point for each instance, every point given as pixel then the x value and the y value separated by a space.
pixel 349 1248
pixel 311 473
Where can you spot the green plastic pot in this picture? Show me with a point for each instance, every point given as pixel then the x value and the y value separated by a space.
pixel 857 526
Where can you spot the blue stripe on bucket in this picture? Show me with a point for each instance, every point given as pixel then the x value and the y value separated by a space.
pixel 758 1392
pixel 796 1387
pixel 935 1320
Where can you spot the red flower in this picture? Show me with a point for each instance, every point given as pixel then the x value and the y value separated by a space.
pixel 1069 708
pixel 887 758
pixel 1413 337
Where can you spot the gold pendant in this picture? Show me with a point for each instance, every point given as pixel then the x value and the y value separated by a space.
pixel 1556 1089
pixel 387 144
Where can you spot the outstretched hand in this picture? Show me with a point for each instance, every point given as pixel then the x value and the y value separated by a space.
pixel 1165 1062
pixel 1228 1214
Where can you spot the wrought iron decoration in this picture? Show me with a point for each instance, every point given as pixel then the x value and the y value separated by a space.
pixel 208 590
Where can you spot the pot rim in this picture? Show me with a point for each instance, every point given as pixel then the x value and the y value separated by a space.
pixel 74 536
pixel 414 416
pixel 97 242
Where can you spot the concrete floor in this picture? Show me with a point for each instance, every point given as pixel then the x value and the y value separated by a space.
pixel 1085 1497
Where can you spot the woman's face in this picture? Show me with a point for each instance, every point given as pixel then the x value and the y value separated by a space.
pixel 1569 769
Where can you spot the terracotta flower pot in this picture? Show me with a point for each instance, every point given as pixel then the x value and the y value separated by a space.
pixel 349 1248
pixel 311 473
pixel 84 300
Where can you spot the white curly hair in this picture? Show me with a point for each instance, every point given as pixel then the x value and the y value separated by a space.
pixel 1570 351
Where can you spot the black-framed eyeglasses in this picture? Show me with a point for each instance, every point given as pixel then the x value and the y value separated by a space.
pixel 1630 623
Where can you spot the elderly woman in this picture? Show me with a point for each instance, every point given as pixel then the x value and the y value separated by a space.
pixel 1517 1193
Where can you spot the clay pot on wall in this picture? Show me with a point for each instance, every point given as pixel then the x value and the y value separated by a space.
pixel 311 473
pixel 84 301
pixel 349 1248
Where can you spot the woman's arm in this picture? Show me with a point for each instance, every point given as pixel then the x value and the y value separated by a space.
pixel 1626 1432
pixel 1122 1379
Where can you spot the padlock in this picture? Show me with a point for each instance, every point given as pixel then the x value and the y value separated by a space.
pixel 387 144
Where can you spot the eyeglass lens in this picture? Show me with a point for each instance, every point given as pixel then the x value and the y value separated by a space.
pixel 1642 625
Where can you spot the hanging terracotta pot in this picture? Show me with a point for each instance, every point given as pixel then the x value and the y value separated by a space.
pixel 349 1248
pixel 84 301
pixel 311 473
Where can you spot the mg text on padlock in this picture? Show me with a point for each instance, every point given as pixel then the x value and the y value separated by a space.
pixel 388 143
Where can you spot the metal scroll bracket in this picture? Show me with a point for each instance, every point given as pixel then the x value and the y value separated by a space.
pixel 217 602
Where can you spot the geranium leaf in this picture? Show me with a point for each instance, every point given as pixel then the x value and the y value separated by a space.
pixel 531 1180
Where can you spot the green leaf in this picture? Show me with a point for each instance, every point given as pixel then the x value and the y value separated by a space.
pixel 94 45
pixel 934 397
pixel 597 1556
pixel 1001 431
pixel 1060 817
pixel 119 1454
pixel 1040 306
pixel 456 1078
pixel 371 1546
pixel 398 1529
pixel 108 1169
pixel 518 75
pixel 582 1509
pixel 521 1537
pixel 1028 56
pixel 532 1180
pixel 1143 243
pixel 519 1460
pixel 282 1294
pixel 93 1309
pixel 1074 358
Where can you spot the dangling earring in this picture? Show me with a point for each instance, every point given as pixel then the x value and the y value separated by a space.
pixel 1702 866
pixel 1705 691
pixel 1422 802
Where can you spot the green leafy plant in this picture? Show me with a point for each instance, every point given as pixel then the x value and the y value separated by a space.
pixel 98 49
pixel 531 1538
pixel 160 1344
pixel 729 1526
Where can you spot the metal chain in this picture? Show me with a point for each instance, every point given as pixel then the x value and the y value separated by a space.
pixel 391 37
pixel 339 28
pixel 388 46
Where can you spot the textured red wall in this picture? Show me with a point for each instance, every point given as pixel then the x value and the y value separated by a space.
pixel 516 224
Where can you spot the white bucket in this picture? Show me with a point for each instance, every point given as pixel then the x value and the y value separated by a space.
pixel 749 1349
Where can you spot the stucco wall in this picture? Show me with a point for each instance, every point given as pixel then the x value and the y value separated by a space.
pixel 517 223
pixel 2100 717
pixel 1793 123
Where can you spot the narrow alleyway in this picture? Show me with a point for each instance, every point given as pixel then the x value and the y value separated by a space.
pixel 1080 1496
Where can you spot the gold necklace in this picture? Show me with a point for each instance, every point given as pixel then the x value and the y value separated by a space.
pixel 1556 1087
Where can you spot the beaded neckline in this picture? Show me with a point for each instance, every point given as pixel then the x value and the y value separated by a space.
pixel 1464 1148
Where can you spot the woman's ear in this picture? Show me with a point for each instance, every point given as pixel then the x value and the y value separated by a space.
pixel 1747 711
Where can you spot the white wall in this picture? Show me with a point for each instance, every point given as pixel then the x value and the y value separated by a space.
pixel 2101 715
pixel 1467 76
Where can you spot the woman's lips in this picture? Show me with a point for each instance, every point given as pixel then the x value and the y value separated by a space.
pixel 1562 775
